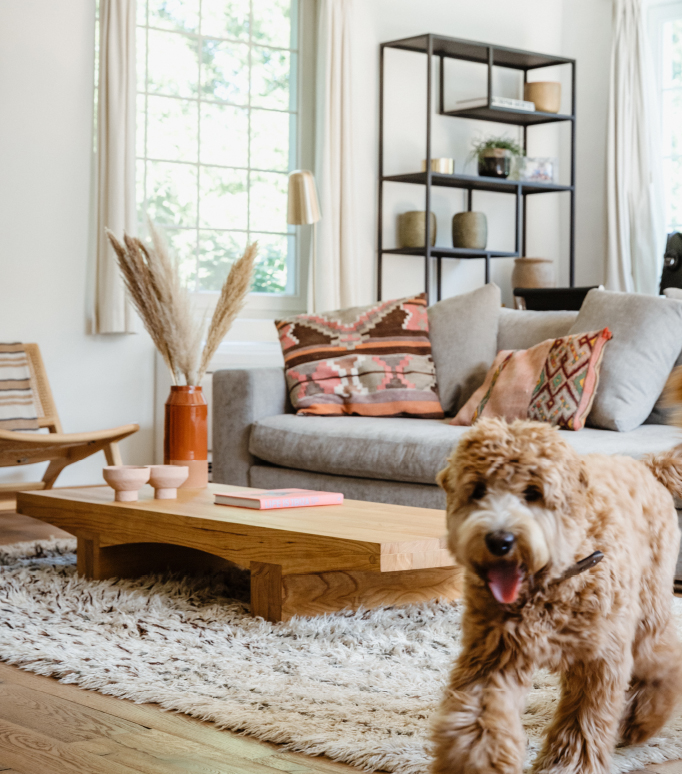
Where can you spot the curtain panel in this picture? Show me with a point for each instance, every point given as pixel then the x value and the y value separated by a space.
pixel 635 210
pixel 336 275
pixel 115 159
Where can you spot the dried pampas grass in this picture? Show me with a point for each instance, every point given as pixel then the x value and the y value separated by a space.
pixel 163 303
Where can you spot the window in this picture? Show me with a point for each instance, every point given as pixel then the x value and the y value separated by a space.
pixel 665 23
pixel 217 132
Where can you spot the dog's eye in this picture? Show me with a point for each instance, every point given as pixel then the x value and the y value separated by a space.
pixel 532 494
pixel 479 491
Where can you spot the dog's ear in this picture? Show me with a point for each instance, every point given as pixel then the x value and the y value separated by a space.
pixel 442 479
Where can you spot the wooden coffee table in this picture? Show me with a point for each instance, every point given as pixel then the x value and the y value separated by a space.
pixel 303 561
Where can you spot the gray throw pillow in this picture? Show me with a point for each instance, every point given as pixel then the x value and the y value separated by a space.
pixel 523 329
pixel 647 338
pixel 463 332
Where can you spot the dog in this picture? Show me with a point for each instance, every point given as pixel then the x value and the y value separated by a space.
pixel 529 519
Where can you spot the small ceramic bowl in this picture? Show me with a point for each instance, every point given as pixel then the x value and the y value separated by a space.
pixel 166 479
pixel 126 481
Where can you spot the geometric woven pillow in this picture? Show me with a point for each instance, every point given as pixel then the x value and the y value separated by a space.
pixel 368 361
pixel 554 381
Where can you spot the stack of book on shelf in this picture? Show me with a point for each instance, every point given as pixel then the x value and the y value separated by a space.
pixel 496 102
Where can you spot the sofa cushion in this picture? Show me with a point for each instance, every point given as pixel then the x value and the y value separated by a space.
pixel 555 381
pixel 647 338
pixel 404 449
pixel 463 333
pixel 522 329
pixel 367 360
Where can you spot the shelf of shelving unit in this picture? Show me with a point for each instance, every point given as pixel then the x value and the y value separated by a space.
pixel 491 56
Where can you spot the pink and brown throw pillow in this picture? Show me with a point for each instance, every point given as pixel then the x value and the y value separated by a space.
pixel 554 381
pixel 369 361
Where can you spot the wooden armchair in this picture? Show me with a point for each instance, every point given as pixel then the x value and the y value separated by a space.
pixel 58 448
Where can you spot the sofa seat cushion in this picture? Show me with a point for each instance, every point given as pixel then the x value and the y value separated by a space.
pixel 404 449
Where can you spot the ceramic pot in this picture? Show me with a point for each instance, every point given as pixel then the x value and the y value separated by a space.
pixel 166 479
pixel 185 433
pixel 533 273
pixel 444 166
pixel 470 229
pixel 411 228
pixel 126 481
pixel 546 95
pixel 494 162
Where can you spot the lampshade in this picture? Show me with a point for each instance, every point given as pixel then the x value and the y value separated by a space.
pixel 303 205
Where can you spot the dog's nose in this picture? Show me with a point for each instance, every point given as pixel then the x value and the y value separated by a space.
pixel 499 543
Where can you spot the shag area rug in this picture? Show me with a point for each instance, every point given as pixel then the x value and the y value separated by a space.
pixel 358 687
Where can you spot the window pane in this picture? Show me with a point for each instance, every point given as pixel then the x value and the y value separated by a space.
pixel 672 53
pixel 141 58
pixel 224 199
pixel 172 193
pixel 271 266
pixel 271 23
pixel 268 207
pixel 224 135
pixel 173 64
pixel 672 175
pixel 270 78
pixel 141 11
pixel 172 129
pixel 140 125
pixel 139 193
pixel 174 14
pixel 217 251
pixel 225 71
pixel 270 138
pixel 183 249
pixel 225 19
pixel 672 122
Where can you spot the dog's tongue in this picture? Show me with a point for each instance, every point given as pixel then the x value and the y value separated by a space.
pixel 504 580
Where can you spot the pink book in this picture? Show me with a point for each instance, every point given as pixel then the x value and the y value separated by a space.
pixel 269 499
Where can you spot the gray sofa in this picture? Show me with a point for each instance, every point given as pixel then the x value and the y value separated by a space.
pixel 258 440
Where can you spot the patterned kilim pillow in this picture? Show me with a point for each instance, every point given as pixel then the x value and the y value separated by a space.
pixel 554 381
pixel 370 361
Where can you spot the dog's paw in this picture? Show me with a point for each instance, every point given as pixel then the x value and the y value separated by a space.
pixel 475 748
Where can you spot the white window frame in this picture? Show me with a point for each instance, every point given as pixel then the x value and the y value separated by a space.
pixel 294 300
pixel 658 13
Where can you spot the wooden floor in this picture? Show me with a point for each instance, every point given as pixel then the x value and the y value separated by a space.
pixel 50 728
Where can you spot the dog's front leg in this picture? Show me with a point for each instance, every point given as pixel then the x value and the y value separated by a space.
pixel 478 729
pixel 582 735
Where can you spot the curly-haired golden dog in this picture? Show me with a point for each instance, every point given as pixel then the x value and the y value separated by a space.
pixel 523 511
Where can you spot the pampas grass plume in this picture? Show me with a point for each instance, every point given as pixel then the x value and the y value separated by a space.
pixel 163 303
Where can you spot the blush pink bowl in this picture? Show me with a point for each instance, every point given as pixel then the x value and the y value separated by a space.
pixel 166 479
pixel 126 481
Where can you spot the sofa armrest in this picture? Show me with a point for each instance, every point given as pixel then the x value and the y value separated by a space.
pixel 240 398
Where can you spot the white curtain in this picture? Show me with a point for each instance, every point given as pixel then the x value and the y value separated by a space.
pixel 636 225
pixel 115 159
pixel 336 275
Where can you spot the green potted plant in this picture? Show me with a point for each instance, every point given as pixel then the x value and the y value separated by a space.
pixel 494 155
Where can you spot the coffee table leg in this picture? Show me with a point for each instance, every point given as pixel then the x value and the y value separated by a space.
pixel 266 591
pixel 277 597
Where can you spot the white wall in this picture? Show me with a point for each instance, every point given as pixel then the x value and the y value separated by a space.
pixel 575 28
pixel 46 83
pixel 586 37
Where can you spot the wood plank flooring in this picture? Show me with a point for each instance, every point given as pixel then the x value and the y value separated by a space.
pixel 50 728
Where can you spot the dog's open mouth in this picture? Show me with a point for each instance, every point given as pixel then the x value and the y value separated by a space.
pixel 504 581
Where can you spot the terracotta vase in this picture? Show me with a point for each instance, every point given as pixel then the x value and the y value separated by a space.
pixel 185 433
pixel 546 95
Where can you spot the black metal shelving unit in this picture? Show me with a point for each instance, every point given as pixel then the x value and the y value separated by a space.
pixel 492 56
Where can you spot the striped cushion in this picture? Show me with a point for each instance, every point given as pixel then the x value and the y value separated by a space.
pixel 17 406
pixel 370 361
